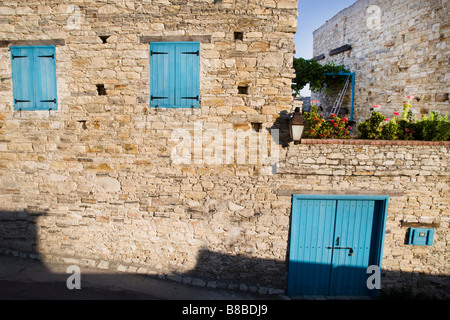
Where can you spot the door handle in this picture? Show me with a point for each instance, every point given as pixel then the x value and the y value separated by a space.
pixel 350 252
pixel 337 241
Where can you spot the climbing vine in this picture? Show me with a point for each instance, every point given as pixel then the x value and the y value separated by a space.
pixel 312 72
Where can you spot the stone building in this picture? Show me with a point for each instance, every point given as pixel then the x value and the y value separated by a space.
pixel 98 168
pixel 395 48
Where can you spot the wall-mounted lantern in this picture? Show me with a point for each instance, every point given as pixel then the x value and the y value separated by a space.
pixel 296 126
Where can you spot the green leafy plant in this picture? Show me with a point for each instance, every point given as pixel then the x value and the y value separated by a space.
pixel 312 72
pixel 406 125
pixel 430 128
pixel 318 128
pixel 371 128
pixel 389 131
pixel 433 128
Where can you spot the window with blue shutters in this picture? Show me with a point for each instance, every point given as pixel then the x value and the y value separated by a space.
pixel 175 74
pixel 34 77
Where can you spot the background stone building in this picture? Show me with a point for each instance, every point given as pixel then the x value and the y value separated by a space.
pixel 396 48
pixel 93 174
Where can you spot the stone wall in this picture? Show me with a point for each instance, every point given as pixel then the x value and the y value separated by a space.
pixel 95 178
pixel 95 182
pixel 398 48
pixel 221 226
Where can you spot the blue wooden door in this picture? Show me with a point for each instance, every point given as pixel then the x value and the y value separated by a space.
pixel 351 248
pixel 310 260
pixel 332 243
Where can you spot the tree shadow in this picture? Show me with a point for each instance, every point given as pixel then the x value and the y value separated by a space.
pixel 220 275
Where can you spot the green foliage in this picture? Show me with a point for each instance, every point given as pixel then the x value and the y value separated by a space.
pixel 372 127
pixel 429 128
pixel 312 72
pixel 390 130
pixel 433 128
pixel 317 128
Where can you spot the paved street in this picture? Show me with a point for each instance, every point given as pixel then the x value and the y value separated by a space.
pixel 30 279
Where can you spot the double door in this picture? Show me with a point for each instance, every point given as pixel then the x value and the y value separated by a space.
pixel 332 243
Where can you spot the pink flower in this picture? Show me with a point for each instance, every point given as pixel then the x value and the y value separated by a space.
pixel 335 125
pixel 396 114
pixel 376 106
pixel 315 101
pixel 410 97
pixel 333 115
pixel 311 131
pixel 349 128
pixel 386 119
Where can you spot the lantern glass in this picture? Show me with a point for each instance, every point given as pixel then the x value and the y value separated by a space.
pixel 296 126
pixel 297 132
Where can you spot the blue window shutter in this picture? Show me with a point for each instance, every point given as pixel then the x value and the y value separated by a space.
pixel 175 74
pixel 45 78
pixel 162 74
pixel 22 78
pixel 187 75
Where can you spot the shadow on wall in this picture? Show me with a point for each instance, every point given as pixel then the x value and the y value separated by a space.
pixel 282 125
pixel 18 236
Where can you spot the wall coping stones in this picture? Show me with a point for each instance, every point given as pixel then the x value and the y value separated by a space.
pixel 376 142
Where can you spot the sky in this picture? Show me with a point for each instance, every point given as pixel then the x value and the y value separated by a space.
pixel 312 14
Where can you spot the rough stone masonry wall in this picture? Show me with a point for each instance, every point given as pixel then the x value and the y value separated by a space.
pixel 95 178
pixel 94 183
pixel 399 48
pixel 416 178
pixel 222 226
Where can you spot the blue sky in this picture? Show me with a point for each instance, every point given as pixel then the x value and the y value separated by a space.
pixel 311 15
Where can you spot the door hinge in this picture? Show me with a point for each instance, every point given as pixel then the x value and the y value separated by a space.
pixel 16 101
pixel 195 52
pixel 153 52
pixel 54 100
pixel 50 56
pixel 153 98
pixel 192 98
pixel 14 57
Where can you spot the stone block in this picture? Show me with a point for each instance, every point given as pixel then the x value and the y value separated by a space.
pixel 108 184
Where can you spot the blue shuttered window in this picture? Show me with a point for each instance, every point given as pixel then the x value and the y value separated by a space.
pixel 34 77
pixel 175 74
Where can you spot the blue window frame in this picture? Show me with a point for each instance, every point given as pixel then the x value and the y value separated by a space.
pixel 34 77
pixel 175 74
